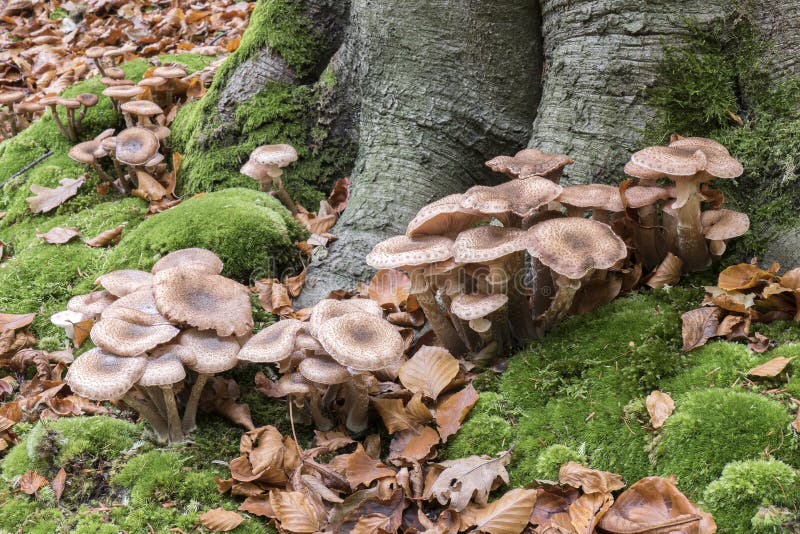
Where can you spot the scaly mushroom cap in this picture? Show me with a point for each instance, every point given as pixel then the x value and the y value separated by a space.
pixel 29 107
pixel 323 371
pixel 108 81
pixel 487 243
pixel 206 301
pixel 640 196
pixel 273 344
pixel 327 309
pixel 101 376
pixel 674 162
pixel 144 108
pixel 698 143
pixel 522 196
pixel 116 73
pixel 87 99
pixel 125 281
pixel 637 171
pixel 294 384
pixel 475 306
pixel 362 342
pixel 256 171
pixel 597 196
pixel 164 368
pixel 529 162
pixel 196 258
pixel 135 146
pixel 401 250
pixel 280 155
pixel 11 96
pixel 169 72
pixel 573 246
pixel 445 216
pixel 91 304
pixel 123 92
pixel 304 342
pixel 213 354
pixel 84 152
pixel 719 161
pixel 719 225
pixel 153 82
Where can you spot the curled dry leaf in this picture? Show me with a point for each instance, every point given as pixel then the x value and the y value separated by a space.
pixel 507 515
pixel 273 296
pixel 394 414
pixel 59 236
pixel 699 326
pixel 361 469
pixel 453 410
pixel 660 406
pixel 58 483
pixel 743 276
pixel 220 520
pixel 30 482
pixel 294 511
pixel 413 445
pixel 668 272
pixel 107 238
pixel 258 505
pixel 11 321
pixel 390 289
pixel 81 331
pixel 589 480
pixel 770 369
pixel 46 198
pixel 468 478
pixel 758 343
pixel 429 371
pixel 731 301
pixel 584 514
pixel 332 440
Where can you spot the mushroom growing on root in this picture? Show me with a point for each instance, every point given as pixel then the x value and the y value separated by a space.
pixel 446 217
pixel 647 237
pixel 531 162
pixel 9 98
pixel 89 152
pixel 486 314
pixel 603 200
pixel 721 225
pixel 265 166
pixel 512 201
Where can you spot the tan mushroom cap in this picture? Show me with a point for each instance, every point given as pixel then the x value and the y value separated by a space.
pixel 698 143
pixel 294 384
pixel 152 81
pixel 113 51
pixel 280 155
pixel 598 196
pixel 101 376
pixel 639 196
pixel 528 162
pixel 116 73
pixel 91 304
pixel 307 342
pixel 573 246
pixel 163 369
pixel 11 96
pixel 160 131
pixel 124 92
pixel 206 301
pixel 362 341
pixel 115 82
pixel 445 216
pixel 401 250
pixel 273 344
pixel 487 243
pixel 522 196
pixel 135 146
pixel 719 225
pixel 213 354
pixel 169 72
pixel 51 100
pixel 29 107
pixel 637 171
pixel 323 371
pixel 475 306
pixel 327 309
pixel 87 99
pixel 144 108
pixel 95 52
pixel 125 281
pixel 687 160
pixel 69 103
pixel 257 171
pixel 719 161
pixel 84 152
pixel 196 258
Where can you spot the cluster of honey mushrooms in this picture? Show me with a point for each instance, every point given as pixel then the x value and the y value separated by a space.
pixel 466 253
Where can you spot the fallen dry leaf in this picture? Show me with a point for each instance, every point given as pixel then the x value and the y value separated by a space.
pixel 332 440
pixel 468 478
pixel 221 520
pixel 758 343
pixel 507 515
pixel 47 198
pixel 390 289
pixel 81 331
pixel 742 276
pixel 30 482
pixel 699 326
pixel 668 272
pixel 10 321
pixel 413 445
pixel 258 505
pixel 58 483
pixel 294 511
pixel 584 514
pixel 660 406
pixel 453 410
pixel 589 480
pixel 394 414
pixel 361 469
pixel 107 238
pixel 429 371
pixel 59 236
pixel 770 369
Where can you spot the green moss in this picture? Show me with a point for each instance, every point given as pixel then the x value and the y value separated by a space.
pixel 552 458
pixel 487 430
pixel 250 231
pixel 713 427
pixel 735 497
pixel 717 364
pixel 14 512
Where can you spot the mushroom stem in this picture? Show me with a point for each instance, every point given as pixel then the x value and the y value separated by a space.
pixel 440 323
pixel 518 306
pixel 283 196
pixel 562 302
pixel 100 172
pixel 156 399
pixel 543 288
pixel 691 243
pixel 190 413
pixel 601 215
pixel 466 334
pixel 646 237
pixel 73 131
pixel 99 64
pixel 12 121
pixel 321 421
pixel 356 404
pixel 57 119
pixel 176 434
pixel 150 415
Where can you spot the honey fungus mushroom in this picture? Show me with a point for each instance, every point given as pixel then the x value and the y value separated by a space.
pixel 512 201
pixel 482 312
pixel 531 162
pixel 722 225
pixel 446 216
pixel 10 98
pixel 265 166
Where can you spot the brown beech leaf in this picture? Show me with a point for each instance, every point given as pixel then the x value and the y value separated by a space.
pixel 58 483
pixel 107 238
pixel 338 197
pixel 294 511
pixel 507 515
pixel 589 480
pixel 81 331
pixel 236 412
pixel 273 296
pixel 59 236
pixel 729 324
pixel 467 478
pixel 389 288
pixel 758 343
pixel 11 321
pixel 699 326
pixel 47 198
pixel 551 500
pixel 418 411
pixel 453 410
pixel 393 413
pixel 654 504
pixel 742 276
pixel 148 187
pixel 770 369
pixel 294 284
pixel 221 520
pixel 361 469
pixel 429 371
pixel 332 440
pixel 668 272
pixel 258 505
pixel 30 482
pixel 584 514
pixel 412 445
pixel 268 452
pixel 660 406
pixel 731 301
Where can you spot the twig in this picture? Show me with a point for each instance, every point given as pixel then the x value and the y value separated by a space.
pixel 217 38
pixel 28 167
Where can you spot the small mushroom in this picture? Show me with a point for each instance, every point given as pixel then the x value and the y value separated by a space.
pixel 172 74
pixel 721 225
pixel 70 105
pixel 91 304
pixel 531 162
pixel 447 217
pixel 647 238
pixel 273 344
pixel 135 147
pixel 124 282
pixel 95 53
pixel 265 166
pixel 67 320
pixel 121 93
pixel 142 110
pixel 482 310
pixel 196 258
pixel 52 102
pixel 602 199
pixel 8 98
pixel 86 100
pixel 163 372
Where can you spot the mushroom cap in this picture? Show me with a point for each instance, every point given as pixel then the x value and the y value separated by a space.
pixel 719 225
pixel 94 52
pixel 125 281
pixel 401 250
pixel 84 152
pixel 29 107
pixel 101 376
pixel 144 108
pixel 213 354
pixel 327 309
pixel 445 216
pixel 91 304
pixel 256 171
pixel 109 144
pixel 135 146
pixel 206 301
pixel 51 100
pixel 196 258
pixel 597 196
pixel 11 96
pixel 116 73
pixel 294 384
pixel 487 243
pixel 573 246
pixel 113 51
pixel 69 103
pixel 362 341
pixel 163 369
pixel 280 155
pixel 108 81
pixel 522 196
pixel 304 342
pixel 273 344
pixel 323 371
pixel 125 92
pixel 87 99
pixel 698 143
pixel 639 196
pixel 528 162
pixel 476 305
pixel 719 161
pixel 160 131
pixel 66 318
pixel 152 81
pixel 169 72
pixel 673 162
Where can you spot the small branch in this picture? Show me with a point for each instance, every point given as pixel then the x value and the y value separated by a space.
pixel 28 167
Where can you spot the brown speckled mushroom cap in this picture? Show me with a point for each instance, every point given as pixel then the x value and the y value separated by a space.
pixel 304 342
pixel 31 106
pixel 322 370
pixel 294 384
pixel 123 91
pixel 256 171
pixel 144 108
pixel 598 196
pixel 206 301
pixel 719 162
pixel 69 103
pixel 213 354
pixel 164 368
pixel 101 376
pixel 91 304
pixel 87 99
pixel 116 73
pixel 445 216
pixel 95 52
pixel 639 196
pixel 11 96
pixel 573 246
pixel 719 225
pixel 84 152
pixel 273 344
pixel 487 243
pixel 476 305
pixel 327 309
pixel 108 81
pixel 528 162
pixel 196 258
pixel 169 72
pixel 698 143
pixel 135 146
pixel 152 81
pixel 362 342
pixel 522 196
pixel 401 250
pixel 125 281
pixel 279 155
pixel 673 162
